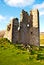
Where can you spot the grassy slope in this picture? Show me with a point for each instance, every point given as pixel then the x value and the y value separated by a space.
pixel 14 55
pixel 42 38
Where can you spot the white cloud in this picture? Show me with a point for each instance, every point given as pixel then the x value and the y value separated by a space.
pixel 41 13
pixel 39 6
pixel 11 17
pixel 2 18
pixel 19 3
pixel 5 18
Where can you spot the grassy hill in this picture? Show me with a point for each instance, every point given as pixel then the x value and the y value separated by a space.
pixel 42 35
pixel 42 38
pixel 18 55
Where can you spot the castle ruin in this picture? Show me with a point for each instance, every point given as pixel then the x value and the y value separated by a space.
pixel 26 31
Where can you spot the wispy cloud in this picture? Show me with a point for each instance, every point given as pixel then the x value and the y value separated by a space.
pixel 19 3
pixel 5 18
pixel 39 6
pixel 11 17
pixel 41 13
pixel 2 18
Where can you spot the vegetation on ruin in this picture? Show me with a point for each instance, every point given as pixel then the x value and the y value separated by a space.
pixel 18 55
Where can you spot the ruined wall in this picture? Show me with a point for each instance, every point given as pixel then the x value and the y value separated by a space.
pixel 15 33
pixel 8 32
pixel 34 30
pixel 24 27
pixel 12 31
pixel 28 30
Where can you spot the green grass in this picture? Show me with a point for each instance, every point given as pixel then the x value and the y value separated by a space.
pixel 41 41
pixel 41 38
pixel 17 55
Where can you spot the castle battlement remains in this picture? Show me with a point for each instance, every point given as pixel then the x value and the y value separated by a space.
pixel 26 31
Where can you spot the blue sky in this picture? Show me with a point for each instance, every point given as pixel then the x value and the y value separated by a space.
pixel 13 8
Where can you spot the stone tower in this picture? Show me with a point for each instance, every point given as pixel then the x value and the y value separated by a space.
pixel 15 33
pixel 12 31
pixel 34 30
pixel 24 28
pixel 8 32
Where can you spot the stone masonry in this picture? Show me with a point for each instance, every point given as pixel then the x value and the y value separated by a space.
pixel 26 31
